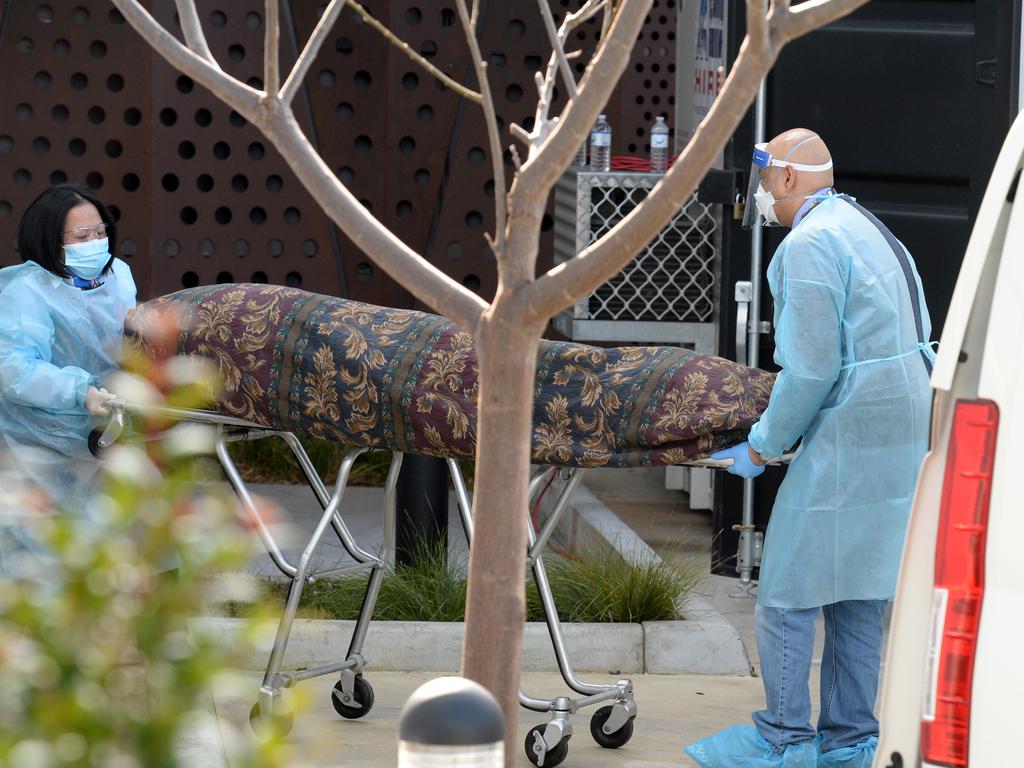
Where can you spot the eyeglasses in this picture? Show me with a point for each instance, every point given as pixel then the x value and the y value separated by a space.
pixel 82 234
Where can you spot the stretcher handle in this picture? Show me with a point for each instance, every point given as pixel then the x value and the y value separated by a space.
pixel 120 409
pixel 726 463
pixel 118 421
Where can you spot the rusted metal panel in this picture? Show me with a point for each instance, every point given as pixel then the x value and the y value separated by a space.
pixel 202 197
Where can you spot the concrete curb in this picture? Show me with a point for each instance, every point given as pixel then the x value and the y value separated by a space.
pixel 706 643
pixel 656 647
pixel 429 646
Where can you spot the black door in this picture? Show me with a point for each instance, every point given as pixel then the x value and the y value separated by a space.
pixel 914 98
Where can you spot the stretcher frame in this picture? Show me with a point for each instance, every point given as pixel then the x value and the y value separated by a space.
pixel 352 697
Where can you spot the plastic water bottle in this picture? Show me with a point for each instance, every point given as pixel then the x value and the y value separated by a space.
pixel 581 155
pixel 659 145
pixel 601 146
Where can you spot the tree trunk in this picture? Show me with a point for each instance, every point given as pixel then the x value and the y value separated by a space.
pixel 495 605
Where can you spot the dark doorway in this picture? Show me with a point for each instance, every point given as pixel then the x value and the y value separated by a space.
pixel 914 98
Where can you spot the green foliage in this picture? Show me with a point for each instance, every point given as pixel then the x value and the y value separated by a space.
pixel 595 588
pixel 432 589
pixel 589 588
pixel 98 667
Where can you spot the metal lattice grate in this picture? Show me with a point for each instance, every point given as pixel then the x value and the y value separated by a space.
pixel 668 293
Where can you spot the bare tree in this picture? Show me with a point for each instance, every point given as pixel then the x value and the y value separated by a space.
pixel 507 330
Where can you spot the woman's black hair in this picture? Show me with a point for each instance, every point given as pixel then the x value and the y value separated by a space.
pixel 41 230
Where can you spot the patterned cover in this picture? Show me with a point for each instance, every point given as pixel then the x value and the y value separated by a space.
pixel 404 380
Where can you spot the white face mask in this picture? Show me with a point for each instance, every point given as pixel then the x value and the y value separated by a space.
pixel 87 259
pixel 765 202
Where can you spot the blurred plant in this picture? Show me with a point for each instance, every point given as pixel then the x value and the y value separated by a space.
pixel 98 667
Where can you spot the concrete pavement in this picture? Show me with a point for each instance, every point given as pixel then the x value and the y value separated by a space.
pixel 673 710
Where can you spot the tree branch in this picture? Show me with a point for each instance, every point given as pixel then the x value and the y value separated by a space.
pixel 240 97
pixel 491 117
pixel 546 84
pixel 405 48
pixel 558 46
pixel 410 270
pixel 192 28
pixel 278 124
pixel 790 23
pixel 271 54
pixel 603 259
pixel 310 51
pixel 543 169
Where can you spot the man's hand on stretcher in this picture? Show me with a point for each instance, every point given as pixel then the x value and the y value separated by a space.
pixel 744 461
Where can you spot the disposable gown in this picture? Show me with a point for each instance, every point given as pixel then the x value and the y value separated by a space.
pixel 55 341
pixel 854 386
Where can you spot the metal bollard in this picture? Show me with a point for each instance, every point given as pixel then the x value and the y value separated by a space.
pixel 451 722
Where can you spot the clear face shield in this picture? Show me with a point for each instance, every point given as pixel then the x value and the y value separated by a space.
pixel 759 200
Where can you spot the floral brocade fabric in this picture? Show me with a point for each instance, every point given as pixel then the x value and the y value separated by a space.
pixel 403 380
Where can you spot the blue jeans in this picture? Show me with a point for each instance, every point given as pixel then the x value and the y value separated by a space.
pixel 849 673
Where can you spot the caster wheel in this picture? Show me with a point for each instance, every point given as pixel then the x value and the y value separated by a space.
pixel 609 740
pixel 362 703
pixel 536 753
pixel 279 721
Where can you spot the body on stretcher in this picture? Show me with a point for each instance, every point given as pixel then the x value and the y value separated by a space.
pixel 352 697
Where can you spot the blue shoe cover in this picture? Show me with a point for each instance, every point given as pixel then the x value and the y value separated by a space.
pixel 741 746
pixel 858 756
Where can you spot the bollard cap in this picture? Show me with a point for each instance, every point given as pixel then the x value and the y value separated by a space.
pixel 451 711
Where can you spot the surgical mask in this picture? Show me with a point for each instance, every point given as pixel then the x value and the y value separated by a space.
pixel 765 202
pixel 87 259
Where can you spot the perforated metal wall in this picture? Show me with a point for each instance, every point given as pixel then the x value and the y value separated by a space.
pixel 201 197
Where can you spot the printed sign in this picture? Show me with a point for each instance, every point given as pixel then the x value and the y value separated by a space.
pixel 709 62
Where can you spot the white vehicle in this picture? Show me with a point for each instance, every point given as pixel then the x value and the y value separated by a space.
pixel 954 682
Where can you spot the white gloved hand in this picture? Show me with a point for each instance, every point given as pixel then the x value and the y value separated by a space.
pixel 96 401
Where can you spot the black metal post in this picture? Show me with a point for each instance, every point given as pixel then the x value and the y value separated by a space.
pixel 421 523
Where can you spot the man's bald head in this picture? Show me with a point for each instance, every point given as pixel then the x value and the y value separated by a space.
pixel 800 145
pixel 788 185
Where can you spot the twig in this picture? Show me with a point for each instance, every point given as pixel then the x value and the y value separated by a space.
pixel 491 117
pixel 517 161
pixel 310 51
pixel 239 96
pixel 557 46
pixel 544 167
pixel 271 54
pixel 520 133
pixel 192 28
pixel 405 48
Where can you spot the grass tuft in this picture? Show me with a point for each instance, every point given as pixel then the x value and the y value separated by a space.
pixel 592 587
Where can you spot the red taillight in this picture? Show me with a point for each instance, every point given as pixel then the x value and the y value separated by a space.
pixel 959 582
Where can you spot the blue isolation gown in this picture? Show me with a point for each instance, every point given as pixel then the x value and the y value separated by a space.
pixel 854 385
pixel 56 340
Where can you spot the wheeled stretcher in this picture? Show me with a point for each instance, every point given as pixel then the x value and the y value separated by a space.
pixel 294 362
pixel 547 745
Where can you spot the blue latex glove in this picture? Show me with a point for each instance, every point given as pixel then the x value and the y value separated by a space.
pixel 741 463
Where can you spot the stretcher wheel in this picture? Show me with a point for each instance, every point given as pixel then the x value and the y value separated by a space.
pixel 609 740
pixel 547 758
pixel 363 694
pixel 279 721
